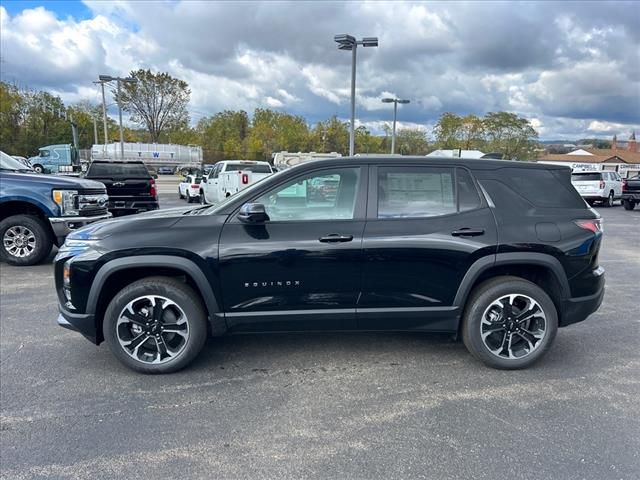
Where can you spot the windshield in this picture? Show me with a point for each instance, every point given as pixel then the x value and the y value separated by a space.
pixel 11 164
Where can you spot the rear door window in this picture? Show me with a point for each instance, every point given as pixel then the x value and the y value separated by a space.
pixel 415 191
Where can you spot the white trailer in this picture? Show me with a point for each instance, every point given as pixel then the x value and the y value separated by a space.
pixel 231 176
pixel 152 154
pixel 282 160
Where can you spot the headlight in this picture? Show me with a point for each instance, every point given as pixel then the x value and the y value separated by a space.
pixel 66 199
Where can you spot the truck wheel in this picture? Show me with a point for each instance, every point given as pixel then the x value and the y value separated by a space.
pixel 629 204
pixel 202 199
pixel 155 325
pixel 38 168
pixel 509 323
pixel 25 240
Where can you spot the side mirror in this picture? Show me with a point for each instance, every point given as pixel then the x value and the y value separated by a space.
pixel 253 213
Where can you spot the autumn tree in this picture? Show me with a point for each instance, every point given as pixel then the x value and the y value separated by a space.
pixel 156 101
pixel 510 135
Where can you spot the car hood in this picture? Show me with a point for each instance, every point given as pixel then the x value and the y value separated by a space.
pixel 54 181
pixel 156 219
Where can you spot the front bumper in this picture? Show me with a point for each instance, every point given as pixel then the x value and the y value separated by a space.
pixel 578 309
pixel 83 323
pixel 63 226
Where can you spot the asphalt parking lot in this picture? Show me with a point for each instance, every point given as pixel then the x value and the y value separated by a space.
pixel 324 406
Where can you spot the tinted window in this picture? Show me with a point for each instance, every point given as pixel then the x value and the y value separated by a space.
pixel 542 188
pixel 117 170
pixel 326 195
pixel 586 177
pixel 415 192
pixel 249 167
pixel 468 197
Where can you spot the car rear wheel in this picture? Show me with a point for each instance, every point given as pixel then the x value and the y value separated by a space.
pixel 629 204
pixel 38 168
pixel 155 325
pixel 509 323
pixel 25 240
pixel 609 201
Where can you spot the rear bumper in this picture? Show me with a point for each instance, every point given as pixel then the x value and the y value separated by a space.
pixel 635 196
pixel 578 309
pixel 63 226
pixel 78 322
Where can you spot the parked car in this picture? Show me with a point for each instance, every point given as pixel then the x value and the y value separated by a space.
pixel 631 192
pixel 130 186
pixel 23 160
pixel 38 211
pixel 229 177
pixel 165 171
pixel 502 253
pixel 604 187
pixel 189 188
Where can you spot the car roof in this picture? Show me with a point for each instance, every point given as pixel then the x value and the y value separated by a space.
pixel 471 163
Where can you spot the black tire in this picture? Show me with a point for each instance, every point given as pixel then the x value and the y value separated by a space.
pixel 184 297
pixel 189 198
pixel 201 198
pixel 479 303
pixel 180 194
pixel 39 249
pixel 608 202
pixel 38 168
pixel 628 204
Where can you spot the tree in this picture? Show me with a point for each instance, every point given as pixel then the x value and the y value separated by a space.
pixel 448 131
pixel 411 141
pixel 330 136
pixel 510 135
pixel 157 102
pixel 223 135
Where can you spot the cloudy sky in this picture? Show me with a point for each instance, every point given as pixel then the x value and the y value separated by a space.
pixel 572 68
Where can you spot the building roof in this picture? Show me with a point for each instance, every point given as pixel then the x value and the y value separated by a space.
pixel 577 158
pixel 625 155
pixel 456 153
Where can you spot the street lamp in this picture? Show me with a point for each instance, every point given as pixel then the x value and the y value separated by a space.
pixel 395 102
pixel 106 79
pixel 347 42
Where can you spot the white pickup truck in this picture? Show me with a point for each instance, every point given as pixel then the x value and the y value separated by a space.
pixel 231 176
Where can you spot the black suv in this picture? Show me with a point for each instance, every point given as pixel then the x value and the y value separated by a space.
pixel 500 252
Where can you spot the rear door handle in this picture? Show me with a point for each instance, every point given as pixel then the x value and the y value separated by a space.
pixel 468 232
pixel 336 238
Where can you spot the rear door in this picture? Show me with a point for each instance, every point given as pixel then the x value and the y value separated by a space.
pixel 426 225
pixel 301 270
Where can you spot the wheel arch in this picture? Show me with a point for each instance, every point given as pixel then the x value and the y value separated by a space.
pixel 117 273
pixel 542 269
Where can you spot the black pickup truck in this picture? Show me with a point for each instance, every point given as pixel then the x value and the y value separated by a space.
pixel 631 192
pixel 130 186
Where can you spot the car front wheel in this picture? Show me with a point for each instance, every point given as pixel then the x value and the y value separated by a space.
pixel 155 325
pixel 509 323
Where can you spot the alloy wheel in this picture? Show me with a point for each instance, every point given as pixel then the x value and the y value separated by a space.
pixel 152 329
pixel 513 326
pixel 19 241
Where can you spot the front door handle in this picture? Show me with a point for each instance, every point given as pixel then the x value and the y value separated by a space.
pixel 336 238
pixel 467 232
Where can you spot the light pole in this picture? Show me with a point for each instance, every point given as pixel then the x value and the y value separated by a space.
pixel 395 102
pixel 347 42
pixel 119 80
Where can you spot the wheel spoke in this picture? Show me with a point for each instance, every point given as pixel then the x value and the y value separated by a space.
pixel 178 328
pixel 136 318
pixel 136 343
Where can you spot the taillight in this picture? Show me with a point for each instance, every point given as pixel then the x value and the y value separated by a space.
pixel 601 184
pixel 594 225
pixel 624 184
pixel 153 191
pixel 245 178
pixel 194 185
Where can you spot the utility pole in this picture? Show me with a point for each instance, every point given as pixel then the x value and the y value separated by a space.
pixel 104 120
pixel 95 131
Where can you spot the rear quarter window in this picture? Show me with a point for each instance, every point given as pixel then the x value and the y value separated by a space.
pixel 586 177
pixel 541 188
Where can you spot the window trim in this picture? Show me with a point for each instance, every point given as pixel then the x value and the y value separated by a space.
pixel 372 203
pixel 359 207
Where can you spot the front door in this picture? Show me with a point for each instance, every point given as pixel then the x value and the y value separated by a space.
pixel 301 269
pixel 426 226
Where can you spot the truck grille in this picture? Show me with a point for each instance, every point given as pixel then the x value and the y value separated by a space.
pixel 92 202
